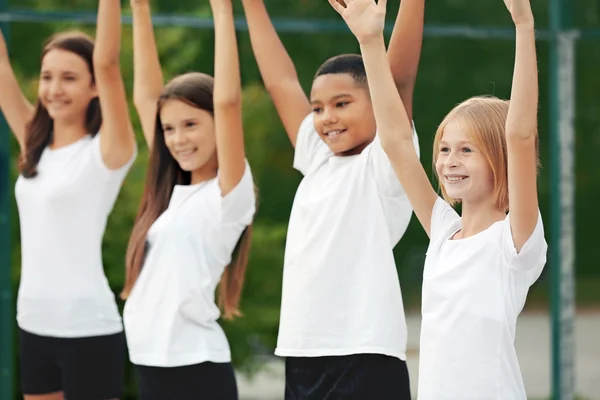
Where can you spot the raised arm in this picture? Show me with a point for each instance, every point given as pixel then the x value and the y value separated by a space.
pixel 276 68
pixel 227 98
pixel 404 50
pixel 147 74
pixel 365 19
pixel 17 110
pixel 521 127
pixel 117 139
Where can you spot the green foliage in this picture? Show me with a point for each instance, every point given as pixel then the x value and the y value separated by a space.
pixel 451 70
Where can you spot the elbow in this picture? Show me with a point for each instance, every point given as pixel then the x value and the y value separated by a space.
pixel 281 84
pixel 105 61
pixel 521 136
pixel 390 145
pixel 228 101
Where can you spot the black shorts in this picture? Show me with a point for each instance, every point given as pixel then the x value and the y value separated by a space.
pixel 353 377
pixel 87 368
pixel 206 381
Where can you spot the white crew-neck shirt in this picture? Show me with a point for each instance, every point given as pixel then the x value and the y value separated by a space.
pixel 473 290
pixel 63 212
pixel 341 294
pixel 170 316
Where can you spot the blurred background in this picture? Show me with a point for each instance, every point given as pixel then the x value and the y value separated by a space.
pixel 457 62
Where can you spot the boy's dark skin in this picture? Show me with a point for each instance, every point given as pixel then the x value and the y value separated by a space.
pixel 281 81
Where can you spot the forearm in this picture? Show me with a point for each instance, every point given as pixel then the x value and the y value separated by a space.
pixel 405 44
pixel 393 125
pixel 522 114
pixel 227 89
pixel 273 61
pixel 108 35
pixel 148 77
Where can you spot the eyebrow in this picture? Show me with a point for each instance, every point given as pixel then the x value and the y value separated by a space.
pixel 184 121
pixel 46 71
pixel 336 97
pixel 444 143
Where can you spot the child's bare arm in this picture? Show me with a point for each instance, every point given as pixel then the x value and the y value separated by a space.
pixel 276 68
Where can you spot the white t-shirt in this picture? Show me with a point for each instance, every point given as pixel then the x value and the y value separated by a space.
pixel 341 293
pixel 170 316
pixel 473 290
pixel 63 212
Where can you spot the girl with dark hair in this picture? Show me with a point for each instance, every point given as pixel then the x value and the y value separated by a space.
pixel 192 232
pixel 73 162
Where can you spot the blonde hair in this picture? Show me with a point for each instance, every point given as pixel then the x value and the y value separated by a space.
pixel 483 120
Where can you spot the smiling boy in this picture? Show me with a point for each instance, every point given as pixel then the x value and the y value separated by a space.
pixel 342 325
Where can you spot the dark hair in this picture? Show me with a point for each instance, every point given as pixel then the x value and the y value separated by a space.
pixel 195 89
pixel 39 131
pixel 351 64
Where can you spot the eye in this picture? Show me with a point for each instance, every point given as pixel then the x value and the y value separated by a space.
pixel 190 124
pixel 317 110
pixel 444 149
pixel 167 129
pixel 46 77
pixel 466 150
pixel 341 104
pixel 70 78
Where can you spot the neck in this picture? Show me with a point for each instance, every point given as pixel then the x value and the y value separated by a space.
pixel 477 217
pixel 205 172
pixel 65 133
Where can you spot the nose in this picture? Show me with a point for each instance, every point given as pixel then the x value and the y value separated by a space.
pixel 179 136
pixel 329 116
pixel 452 160
pixel 55 87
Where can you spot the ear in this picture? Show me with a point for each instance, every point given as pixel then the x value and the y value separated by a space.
pixel 94 90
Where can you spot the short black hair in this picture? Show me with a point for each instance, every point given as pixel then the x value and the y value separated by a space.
pixel 351 64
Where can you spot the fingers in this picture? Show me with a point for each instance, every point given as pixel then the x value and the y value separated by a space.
pixel 337 6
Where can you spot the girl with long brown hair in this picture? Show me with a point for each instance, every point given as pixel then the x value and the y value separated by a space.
pixel 74 159
pixel 192 232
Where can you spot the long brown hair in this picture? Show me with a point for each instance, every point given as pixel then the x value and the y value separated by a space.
pixel 39 131
pixel 195 89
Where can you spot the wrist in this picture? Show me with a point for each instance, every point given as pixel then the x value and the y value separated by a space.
pixel 525 26
pixel 221 6
pixel 140 6
pixel 372 42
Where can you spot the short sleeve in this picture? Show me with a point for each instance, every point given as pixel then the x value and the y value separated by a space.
pixel 532 256
pixel 239 205
pixel 310 148
pixel 444 219
pixel 387 181
pixel 107 173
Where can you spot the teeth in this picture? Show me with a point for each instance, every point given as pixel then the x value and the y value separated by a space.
pixel 455 178
pixel 333 133
pixel 185 153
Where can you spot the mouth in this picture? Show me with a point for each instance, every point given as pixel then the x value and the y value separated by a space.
pixel 455 178
pixel 57 104
pixel 185 154
pixel 334 133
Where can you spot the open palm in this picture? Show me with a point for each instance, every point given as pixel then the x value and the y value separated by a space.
pixel 365 18
pixel 520 10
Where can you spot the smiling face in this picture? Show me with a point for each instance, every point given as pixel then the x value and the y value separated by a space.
pixel 189 134
pixel 66 85
pixel 462 167
pixel 343 113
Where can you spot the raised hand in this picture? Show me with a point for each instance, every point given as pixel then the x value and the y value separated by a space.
pixel 365 18
pixel 520 11
pixel 139 2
